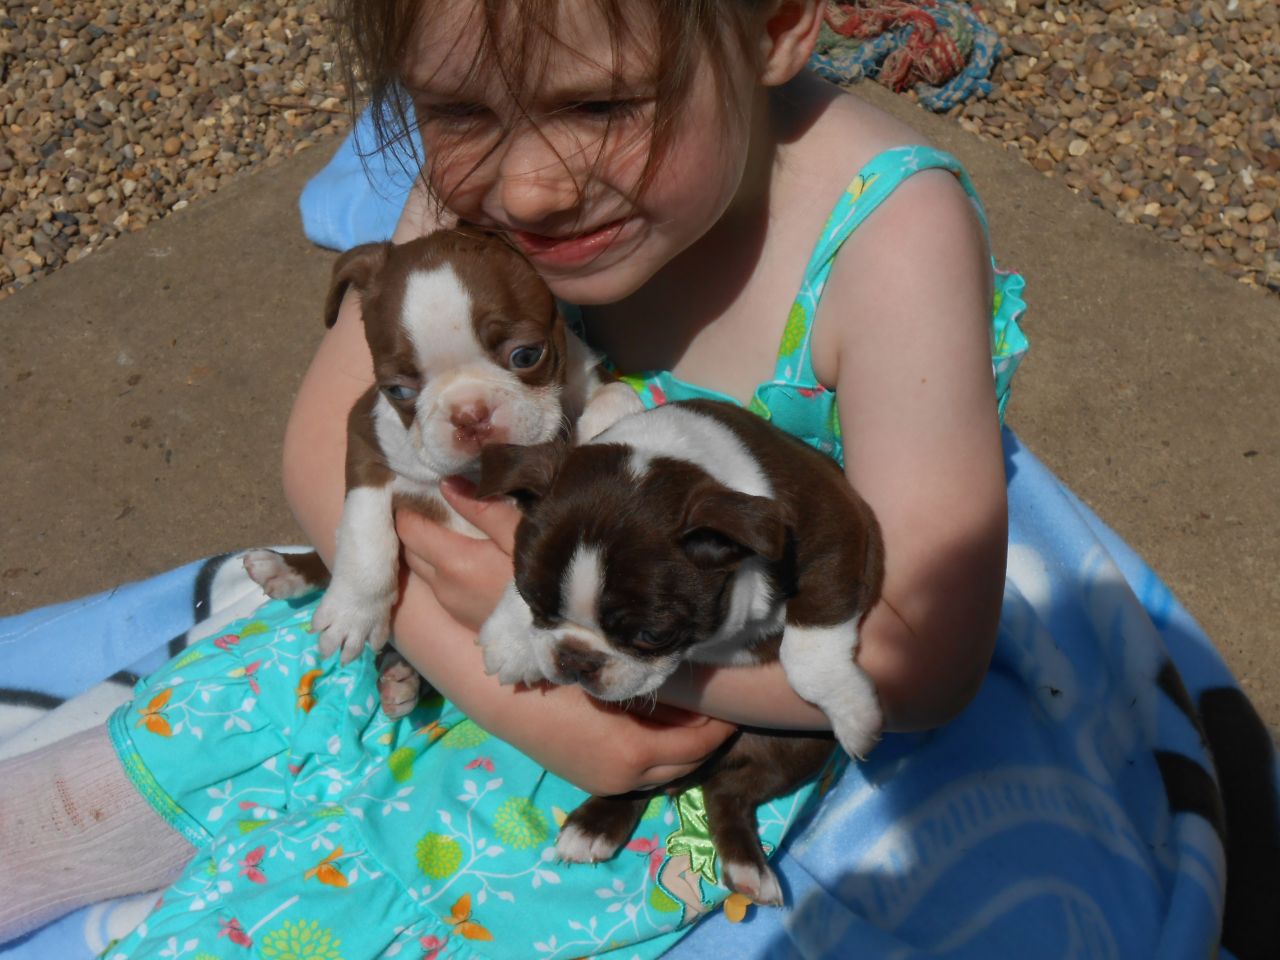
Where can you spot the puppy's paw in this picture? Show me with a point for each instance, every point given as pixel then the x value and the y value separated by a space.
pixel 856 739
pixel 578 845
pixel 346 624
pixel 518 669
pixel 609 404
pixel 399 686
pixel 858 723
pixel 757 882
pixel 510 658
pixel 272 573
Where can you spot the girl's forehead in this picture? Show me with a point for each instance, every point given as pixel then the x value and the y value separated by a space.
pixel 577 50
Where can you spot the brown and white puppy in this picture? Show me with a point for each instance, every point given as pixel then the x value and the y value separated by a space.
pixel 468 349
pixel 692 532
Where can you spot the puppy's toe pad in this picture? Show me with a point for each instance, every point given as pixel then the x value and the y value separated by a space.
pixel 575 845
pixel 277 579
pixel 758 883
pixel 399 694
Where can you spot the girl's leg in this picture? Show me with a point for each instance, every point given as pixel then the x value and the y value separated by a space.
pixel 74 831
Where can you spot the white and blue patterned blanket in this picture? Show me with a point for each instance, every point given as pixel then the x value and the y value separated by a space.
pixel 1073 810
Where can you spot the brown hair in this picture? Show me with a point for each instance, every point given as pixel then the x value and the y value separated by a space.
pixel 374 36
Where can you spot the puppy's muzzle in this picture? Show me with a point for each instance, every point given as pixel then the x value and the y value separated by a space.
pixel 578 664
pixel 473 424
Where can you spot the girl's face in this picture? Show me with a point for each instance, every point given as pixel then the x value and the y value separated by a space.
pixel 558 168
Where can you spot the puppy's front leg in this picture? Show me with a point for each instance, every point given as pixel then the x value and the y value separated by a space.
pixel 819 664
pixel 357 607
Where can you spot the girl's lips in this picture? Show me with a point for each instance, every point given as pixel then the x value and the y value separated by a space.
pixel 567 251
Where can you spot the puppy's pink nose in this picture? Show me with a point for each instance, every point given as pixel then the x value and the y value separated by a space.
pixel 472 422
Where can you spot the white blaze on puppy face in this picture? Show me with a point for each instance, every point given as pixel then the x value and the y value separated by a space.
pixel 581 588
pixel 621 676
pixel 438 314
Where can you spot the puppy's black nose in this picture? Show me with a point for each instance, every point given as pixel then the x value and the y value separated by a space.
pixel 576 662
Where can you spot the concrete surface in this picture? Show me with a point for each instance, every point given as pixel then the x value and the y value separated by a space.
pixel 143 393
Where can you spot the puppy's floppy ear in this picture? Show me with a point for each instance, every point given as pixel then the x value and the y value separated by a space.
pixel 358 266
pixel 723 527
pixel 523 473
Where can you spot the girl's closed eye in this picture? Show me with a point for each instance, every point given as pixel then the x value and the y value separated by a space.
pixel 451 113
pixel 609 109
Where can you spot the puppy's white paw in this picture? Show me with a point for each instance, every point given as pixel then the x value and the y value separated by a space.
pixel 856 737
pixel 399 687
pixel 609 404
pixel 575 845
pixel 507 642
pixel 347 623
pixel 511 662
pixel 278 580
pixel 758 883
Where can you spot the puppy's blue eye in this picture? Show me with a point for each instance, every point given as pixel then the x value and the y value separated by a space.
pixel 522 358
pixel 398 391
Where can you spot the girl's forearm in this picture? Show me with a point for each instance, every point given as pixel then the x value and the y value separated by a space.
pixel 758 696
pixel 446 653
pixel 920 683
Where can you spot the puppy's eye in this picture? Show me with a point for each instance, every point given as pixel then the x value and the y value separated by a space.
pixel 651 642
pixel 522 358
pixel 400 392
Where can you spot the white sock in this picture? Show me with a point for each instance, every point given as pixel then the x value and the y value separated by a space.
pixel 73 831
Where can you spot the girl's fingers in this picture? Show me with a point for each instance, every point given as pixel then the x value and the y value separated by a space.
pixel 427 538
pixel 669 715
pixel 688 746
pixel 420 567
pixel 495 518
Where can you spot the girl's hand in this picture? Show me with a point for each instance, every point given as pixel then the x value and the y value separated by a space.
pixel 606 750
pixel 466 574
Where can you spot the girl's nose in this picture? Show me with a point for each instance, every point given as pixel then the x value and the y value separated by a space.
pixel 535 183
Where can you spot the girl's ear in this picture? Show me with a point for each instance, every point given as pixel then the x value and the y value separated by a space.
pixel 789 35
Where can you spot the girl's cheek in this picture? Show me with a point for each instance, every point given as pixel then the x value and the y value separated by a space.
pixel 456 177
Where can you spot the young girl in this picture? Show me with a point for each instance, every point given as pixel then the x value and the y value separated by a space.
pixel 730 226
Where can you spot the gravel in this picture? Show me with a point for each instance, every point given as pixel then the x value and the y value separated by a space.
pixel 113 114
pixel 1165 114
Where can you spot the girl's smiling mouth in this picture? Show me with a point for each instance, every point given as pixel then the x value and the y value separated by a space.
pixel 571 250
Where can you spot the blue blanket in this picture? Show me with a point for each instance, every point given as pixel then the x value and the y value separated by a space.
pixel 1073 809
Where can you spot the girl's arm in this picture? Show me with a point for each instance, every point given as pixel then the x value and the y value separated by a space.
pixel 903 334
pixel 601 750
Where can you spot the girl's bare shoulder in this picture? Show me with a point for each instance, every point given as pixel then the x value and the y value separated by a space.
pixel 836 134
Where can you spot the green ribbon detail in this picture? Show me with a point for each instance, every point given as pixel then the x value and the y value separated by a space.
pixel 692 837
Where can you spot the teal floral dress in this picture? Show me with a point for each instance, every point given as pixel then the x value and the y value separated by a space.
pixel 325 831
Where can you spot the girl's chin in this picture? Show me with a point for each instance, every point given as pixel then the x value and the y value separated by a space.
pixel 609 285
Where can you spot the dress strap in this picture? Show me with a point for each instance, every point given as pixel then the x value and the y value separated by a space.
pixel 874 183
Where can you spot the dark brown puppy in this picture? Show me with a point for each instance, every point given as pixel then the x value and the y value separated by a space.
pixel 468 348
pixel 693 532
